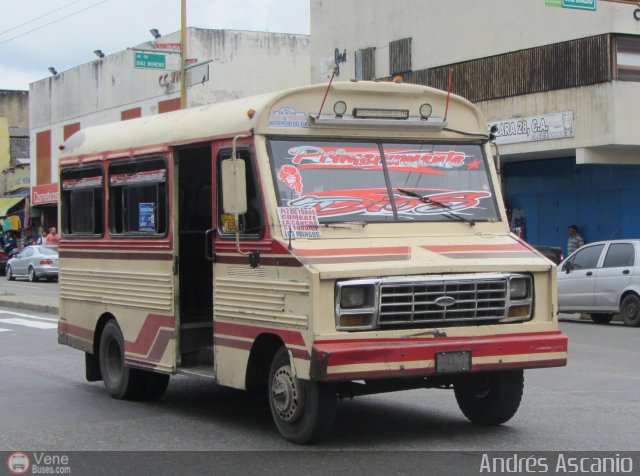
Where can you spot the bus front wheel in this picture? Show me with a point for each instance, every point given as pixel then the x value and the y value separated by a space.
pixel 490 398
pixel 121 381
pixel 303 410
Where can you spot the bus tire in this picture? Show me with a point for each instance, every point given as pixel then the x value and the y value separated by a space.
pixel 490 398
pixel 122 382
pixel 302 410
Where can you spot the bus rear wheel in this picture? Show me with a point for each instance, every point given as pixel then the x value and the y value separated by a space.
pixel 121 381
pixel 490 398
pixel 302 410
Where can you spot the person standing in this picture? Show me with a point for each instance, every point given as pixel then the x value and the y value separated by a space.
pixel 575 240
pixel 52 239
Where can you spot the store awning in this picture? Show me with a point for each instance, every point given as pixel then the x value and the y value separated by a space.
pixel 7 202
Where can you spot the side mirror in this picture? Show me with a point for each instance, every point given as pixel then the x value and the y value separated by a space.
pixel 234 187
pixel 567 267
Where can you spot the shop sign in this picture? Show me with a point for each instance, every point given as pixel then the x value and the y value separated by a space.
pixel 17 178
pixel 556 125
pixel 43 194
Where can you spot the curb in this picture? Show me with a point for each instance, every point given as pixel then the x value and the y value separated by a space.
pixel 10 301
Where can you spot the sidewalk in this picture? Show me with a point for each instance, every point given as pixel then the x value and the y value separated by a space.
pixel 31 303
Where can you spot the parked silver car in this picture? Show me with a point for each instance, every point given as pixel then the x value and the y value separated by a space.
pixel 602 279
pixel 33 263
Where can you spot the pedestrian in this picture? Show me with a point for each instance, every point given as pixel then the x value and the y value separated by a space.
pixel 11 244
pixel 39 240
pixel 575 241
pixel 52 239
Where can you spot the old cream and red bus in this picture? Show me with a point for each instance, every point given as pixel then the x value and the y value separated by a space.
pixel 316 255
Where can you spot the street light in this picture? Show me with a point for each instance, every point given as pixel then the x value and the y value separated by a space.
pixel 98 53
pixel 155 33
pixel 53 71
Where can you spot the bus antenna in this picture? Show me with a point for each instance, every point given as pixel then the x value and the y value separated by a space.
pixel 446 108
pixel 327 91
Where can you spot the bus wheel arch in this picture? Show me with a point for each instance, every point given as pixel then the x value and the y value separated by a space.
pixel 262 352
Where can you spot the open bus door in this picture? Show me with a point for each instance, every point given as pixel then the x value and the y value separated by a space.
pixel 194 272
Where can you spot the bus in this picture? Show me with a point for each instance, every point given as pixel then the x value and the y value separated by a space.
pixel 312 253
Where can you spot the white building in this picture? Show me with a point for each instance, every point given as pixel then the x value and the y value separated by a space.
pixel 112 88
pixel 562 84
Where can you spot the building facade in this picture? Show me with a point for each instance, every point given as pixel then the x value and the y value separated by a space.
pixel 14 158
pixel 561 84
pixel 145 80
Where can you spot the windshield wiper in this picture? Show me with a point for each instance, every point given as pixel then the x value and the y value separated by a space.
pixel 431 201
pixel 344 224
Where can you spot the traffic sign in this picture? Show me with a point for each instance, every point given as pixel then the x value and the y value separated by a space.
pixel 580 4
pixel 168 46
pixel 150 61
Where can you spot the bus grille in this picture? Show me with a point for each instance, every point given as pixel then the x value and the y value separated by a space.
pixel 442 302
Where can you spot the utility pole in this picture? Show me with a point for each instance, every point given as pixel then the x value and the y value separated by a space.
pixel 183 56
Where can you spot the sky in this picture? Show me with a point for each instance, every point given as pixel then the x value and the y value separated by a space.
pixel 37 34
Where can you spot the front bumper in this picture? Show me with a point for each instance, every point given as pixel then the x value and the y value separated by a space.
pixel 345 360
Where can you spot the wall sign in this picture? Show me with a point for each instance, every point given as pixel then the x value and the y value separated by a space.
pixel 556 125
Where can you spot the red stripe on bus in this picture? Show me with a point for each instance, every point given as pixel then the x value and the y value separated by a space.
pixel 116 255
pixel 477 248
pixel 75 331
pixel 147 335
pixel 384 250
pixel 247 345
pixel 227 329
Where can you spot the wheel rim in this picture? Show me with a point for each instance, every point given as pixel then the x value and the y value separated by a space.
pixel 631 309
pixel 31 274
pixel 113 360
pixel 285 395
pixel 9 275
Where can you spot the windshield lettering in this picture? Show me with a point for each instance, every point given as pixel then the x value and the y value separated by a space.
pixel 345 180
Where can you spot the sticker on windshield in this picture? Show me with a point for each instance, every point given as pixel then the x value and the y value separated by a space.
pixel 287 117
pixel 299 222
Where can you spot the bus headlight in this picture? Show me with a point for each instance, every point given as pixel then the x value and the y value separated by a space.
pixel 519 288
pixel 520 299
pixel 356 306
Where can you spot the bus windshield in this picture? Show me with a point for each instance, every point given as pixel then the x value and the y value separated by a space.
pixel 369 181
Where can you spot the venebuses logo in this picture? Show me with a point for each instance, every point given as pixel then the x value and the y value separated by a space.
pixel 18 463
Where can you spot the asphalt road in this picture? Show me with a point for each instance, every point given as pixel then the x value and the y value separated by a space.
pixel 21 287
pixel 45 404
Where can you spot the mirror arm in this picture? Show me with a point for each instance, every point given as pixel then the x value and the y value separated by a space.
pixel 237 217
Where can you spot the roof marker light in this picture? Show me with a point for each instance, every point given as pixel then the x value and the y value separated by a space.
pixel 425 111
pixel 340 107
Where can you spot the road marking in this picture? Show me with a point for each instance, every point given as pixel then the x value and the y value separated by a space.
pixel 27 320
pixel 29 316
pixel 27 323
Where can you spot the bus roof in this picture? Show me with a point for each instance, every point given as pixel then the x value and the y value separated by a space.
pixel 280 113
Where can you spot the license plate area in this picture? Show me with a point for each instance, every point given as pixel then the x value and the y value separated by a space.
pixel 458 361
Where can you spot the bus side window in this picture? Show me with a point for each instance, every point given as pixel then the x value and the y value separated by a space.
pixel 81 204
pixel 138 197
pixel 250 224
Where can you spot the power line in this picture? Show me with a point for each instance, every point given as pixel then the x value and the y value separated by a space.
pixel 52 22
pixel 38 18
